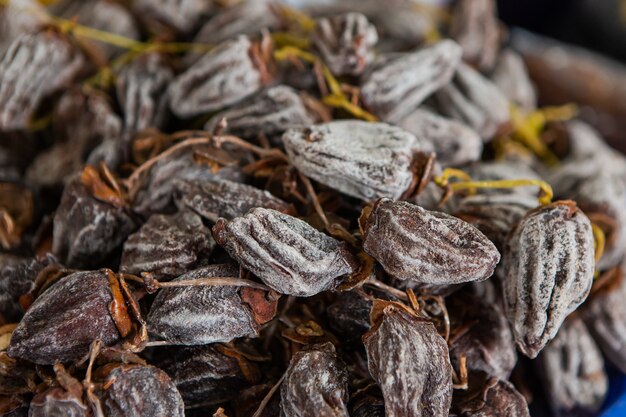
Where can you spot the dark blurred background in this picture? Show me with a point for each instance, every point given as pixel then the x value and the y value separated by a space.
pixel 596 24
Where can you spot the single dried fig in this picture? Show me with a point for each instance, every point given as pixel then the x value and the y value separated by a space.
pixel 361 159
pixel 316 384
pixel 62 323
pixel 548 272
pixel 426 247
pixel 286 253
pixel 138 390
pixel 269 113
pixel 199 315
pixel 220 78
pixel 167 246
pixel 223 198
pixel 345 42
pixel 410 362
pixel 396 84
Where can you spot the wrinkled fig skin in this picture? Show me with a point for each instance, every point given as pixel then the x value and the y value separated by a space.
pixel 156 194
pixel 397 84
pixel 286 253
pixel 81 121
pixel 484 335
pixel 500 400
pixel 598 188
pixel 35 66
pixel 476 28
pixel 409 360
pixel 64 321
pixel 345 42
pixel 167 245
pixel 14 22
pixel 141 87
pixel 17 276
pixel 315 384
pixel 240 18
pixel 474 100
pixel 361 159
pixel 103 15
pixel 511 76
pixel 454 143
pixel 222 77
pixel 57 402
pixel 87 231
pixel 227 199
pixel 548 272
pixel 270 113
pixel 427 247
pixel 139 391
pixel 182 15
pixel 203 375
pixel 572 370
pixel 605 317
pixel 203 315
pixel 495 214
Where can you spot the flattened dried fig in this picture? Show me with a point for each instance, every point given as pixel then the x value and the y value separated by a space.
pixel 227 199
pixel 424 246
pixel 361 159
pixel 167 245
pixel 286 253
pixel 396 84
pixel 199 315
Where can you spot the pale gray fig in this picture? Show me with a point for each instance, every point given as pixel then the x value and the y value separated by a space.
pixel 199 315
pixel 475 101
pixel 453 142
pixel 511 76
pixel 361 159
pixel 141 87
pixel 35 67
pixel 548 272
pixel 183 15
pixel 167 245
pixel 345 42
pixel 605 317
pixel 240 18
pixel 220 78
pixel 397 84
pixel 269 113
pixel 476 28
pixel 223 198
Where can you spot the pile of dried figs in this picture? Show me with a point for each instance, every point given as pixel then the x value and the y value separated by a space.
pixel 304 208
